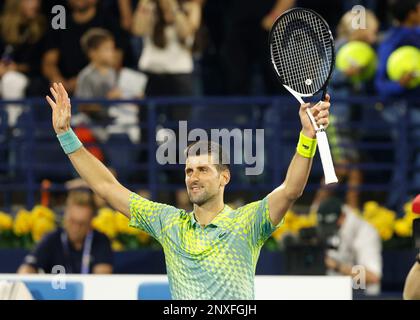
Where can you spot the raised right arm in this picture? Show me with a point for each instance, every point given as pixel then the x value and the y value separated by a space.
pixel 90 169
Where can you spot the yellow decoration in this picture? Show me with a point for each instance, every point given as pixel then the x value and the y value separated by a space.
pixel 105 222
pixel 6 221
pixel 403 228
pixel 117 246
pixel 42 212
pixel 23 222
pixel 41 226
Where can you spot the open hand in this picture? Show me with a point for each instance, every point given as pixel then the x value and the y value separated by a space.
pixel 61 108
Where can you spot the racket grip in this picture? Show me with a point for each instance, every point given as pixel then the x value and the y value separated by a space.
pixel 326 159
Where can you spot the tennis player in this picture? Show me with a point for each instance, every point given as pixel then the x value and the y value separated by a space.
pixel 212 252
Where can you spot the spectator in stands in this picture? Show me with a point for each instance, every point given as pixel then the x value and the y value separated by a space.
pixel 168 28
pixel 76 247
pixel 64 57
pixel 126 13
pixel 405 32
pixel 101 79
pixel 357 243
pixel 245 43
pixel 349 83
pixel 22 29
pixel 412 283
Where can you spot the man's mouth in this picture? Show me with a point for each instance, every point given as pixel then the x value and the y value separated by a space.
pixel 195 188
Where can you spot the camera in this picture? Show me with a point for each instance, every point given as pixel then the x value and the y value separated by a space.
pixel 305 253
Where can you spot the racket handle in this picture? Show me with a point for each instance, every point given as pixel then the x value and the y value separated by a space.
pixel 326 159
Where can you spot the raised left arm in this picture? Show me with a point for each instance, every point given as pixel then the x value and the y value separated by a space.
pixel 283 197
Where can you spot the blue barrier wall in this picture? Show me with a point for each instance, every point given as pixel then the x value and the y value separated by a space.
pixel 149 261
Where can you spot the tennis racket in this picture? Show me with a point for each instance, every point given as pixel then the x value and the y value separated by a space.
pixel 302 53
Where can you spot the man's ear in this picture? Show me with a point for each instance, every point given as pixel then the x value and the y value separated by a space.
pixel 225 174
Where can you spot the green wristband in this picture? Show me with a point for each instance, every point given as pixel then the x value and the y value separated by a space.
pixel 306 147
pixel 69 141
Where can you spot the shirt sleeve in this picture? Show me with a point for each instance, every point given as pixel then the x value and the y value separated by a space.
pixel 383 84
pixel 257 217
pixel 40 257
pixel 149 216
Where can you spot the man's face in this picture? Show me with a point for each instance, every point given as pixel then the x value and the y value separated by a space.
pixel 202 179
pixel 77 222
pixel 82 5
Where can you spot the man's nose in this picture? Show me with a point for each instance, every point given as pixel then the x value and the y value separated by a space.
pixel 194 176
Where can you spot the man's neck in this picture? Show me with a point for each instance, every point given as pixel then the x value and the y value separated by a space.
pixel 81 17
pixel 77 245
pixel 208 211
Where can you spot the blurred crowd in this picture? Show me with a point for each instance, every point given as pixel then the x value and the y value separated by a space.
pixel 185 47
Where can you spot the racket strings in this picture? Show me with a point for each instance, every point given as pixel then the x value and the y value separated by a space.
pixel 302 51
pixel 307 50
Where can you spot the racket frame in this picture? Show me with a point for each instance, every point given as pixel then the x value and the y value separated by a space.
pixel 324 149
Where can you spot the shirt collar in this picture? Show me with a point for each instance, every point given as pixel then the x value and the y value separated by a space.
pixel 217 221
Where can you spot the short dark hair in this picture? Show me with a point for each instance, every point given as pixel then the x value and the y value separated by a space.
pixel 201 147
pixel 401 8
pixel 93 38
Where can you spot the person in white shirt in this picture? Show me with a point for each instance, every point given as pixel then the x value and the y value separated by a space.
pixel 355 245
pixel 168 29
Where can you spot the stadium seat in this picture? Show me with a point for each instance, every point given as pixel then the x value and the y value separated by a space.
pixel 43 290
pixel 154 291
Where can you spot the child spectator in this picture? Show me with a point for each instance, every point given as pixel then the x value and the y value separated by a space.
pixel 101 79
pixel 64 58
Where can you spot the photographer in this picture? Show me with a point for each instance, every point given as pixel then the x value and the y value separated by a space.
pixel 352 242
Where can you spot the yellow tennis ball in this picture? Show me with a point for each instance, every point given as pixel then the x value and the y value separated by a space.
pixel 405 60
pixel 357 54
